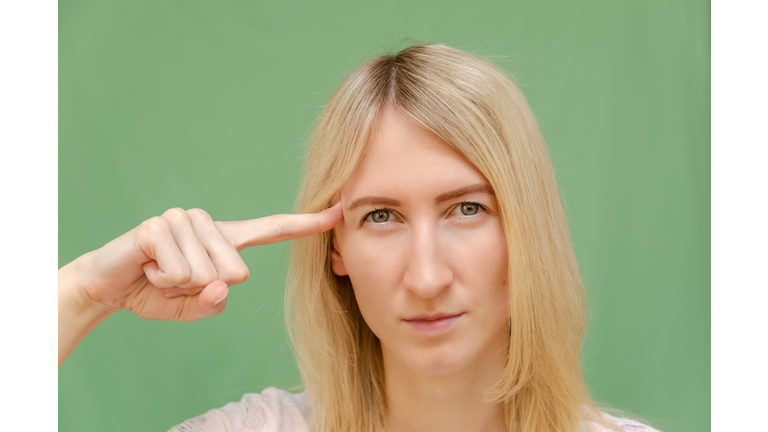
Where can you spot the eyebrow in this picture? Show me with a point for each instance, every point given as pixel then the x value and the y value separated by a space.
pixel 377 200
pixel 476 188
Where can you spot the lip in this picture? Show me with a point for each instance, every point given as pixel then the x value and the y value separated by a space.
pixel 433 325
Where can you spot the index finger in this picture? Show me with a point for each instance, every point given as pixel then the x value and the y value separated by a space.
pixel 277 228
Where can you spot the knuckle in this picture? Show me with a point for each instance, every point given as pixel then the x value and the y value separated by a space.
pixel 283 232
pixel 236 275
pixel 180 275
pixel 204 277
pixel 175 214
pixel 198 214
pixel 243 275
pixel 155 224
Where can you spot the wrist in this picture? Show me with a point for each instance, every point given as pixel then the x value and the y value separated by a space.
pixel 78 313
pixel 73 292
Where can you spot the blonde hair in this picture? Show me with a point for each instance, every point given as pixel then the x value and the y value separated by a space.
pixel 475 108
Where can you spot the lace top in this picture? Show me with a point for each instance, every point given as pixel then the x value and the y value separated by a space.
pixel 277 410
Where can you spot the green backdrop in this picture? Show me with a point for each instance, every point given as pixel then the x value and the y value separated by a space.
pixel 209 104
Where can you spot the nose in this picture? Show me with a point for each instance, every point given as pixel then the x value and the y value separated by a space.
pixel 427 272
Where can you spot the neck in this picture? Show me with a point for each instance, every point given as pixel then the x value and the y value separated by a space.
pixel 445 403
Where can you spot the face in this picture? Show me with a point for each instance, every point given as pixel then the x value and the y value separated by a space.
pixel 423 246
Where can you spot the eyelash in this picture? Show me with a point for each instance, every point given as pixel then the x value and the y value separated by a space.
pixel 482 209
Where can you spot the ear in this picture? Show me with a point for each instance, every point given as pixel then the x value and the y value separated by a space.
pixel 337 262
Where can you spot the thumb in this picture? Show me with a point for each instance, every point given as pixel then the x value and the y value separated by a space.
pixel 211 301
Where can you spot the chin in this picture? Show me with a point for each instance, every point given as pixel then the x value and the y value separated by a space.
pixel 435 361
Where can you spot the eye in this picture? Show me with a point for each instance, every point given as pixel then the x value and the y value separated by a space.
pixel 468 209
pixel 378 216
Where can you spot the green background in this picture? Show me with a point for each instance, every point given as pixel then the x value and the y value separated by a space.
pixel 209 104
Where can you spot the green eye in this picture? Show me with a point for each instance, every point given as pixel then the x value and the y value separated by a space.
pixel 380 216
pixel 469 209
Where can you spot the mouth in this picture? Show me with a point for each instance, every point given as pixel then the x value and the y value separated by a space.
pixel 433 325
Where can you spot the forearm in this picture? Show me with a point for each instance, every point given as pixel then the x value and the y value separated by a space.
pixel 78 315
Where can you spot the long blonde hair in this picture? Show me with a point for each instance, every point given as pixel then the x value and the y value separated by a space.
pixel 475 108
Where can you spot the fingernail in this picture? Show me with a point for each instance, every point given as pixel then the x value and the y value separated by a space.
pixel 216 303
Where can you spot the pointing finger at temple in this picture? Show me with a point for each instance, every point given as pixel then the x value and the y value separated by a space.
pixel 277 228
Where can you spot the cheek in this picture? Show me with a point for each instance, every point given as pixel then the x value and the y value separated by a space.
pixel 479 257
pixel 480 266
pixel 374 266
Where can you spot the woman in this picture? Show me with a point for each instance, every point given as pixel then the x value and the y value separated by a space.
pixel 446 297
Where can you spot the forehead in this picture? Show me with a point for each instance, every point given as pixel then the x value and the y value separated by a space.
pixel 403 157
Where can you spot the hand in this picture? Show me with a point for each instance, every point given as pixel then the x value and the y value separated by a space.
pixel 179 266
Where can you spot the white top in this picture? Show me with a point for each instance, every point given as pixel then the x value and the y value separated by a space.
pixel 277 410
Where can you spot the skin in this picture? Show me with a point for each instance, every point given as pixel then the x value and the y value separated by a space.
pixel 426 254
pixel 175 267
pixel 423 255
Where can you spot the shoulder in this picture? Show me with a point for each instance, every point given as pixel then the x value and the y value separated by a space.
pixel 270 410
pixel 628 425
